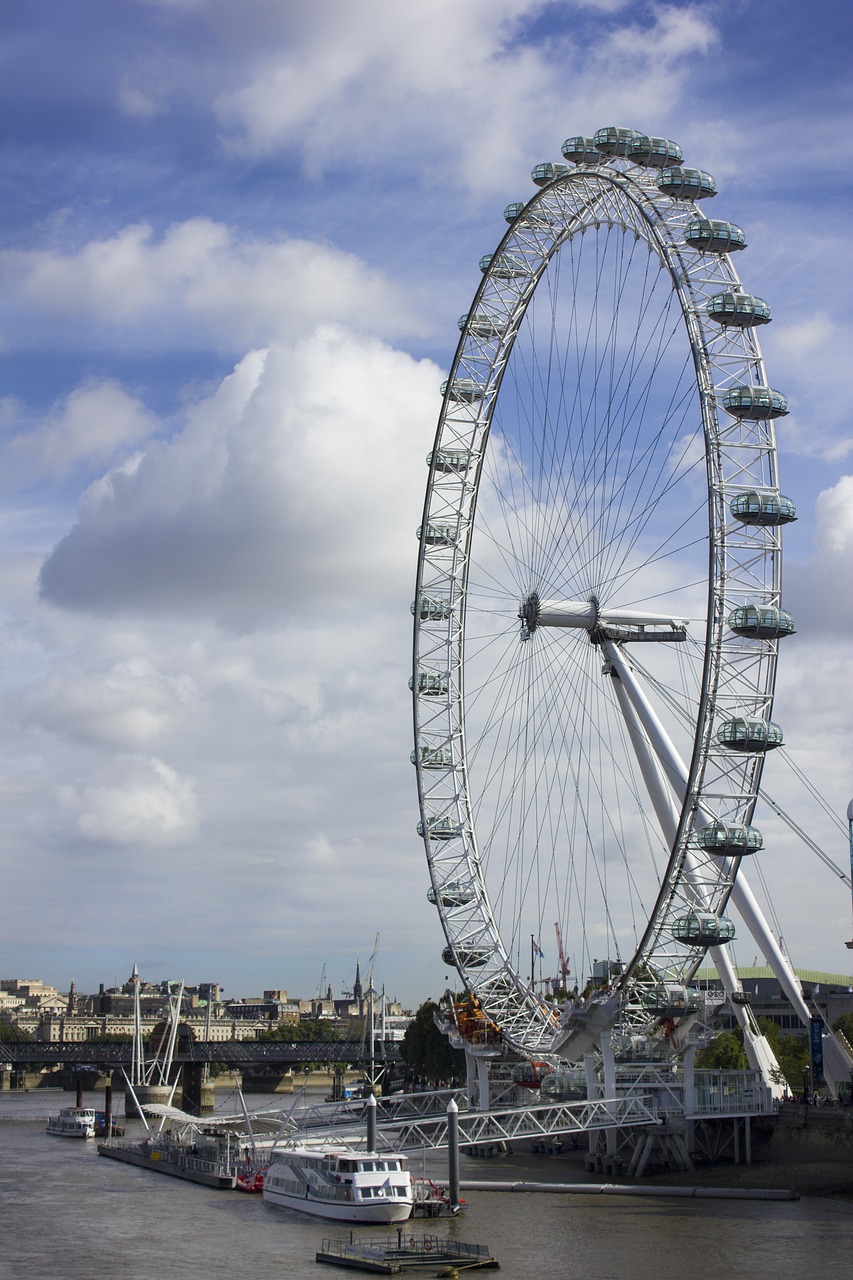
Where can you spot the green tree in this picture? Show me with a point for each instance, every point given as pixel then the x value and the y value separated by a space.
pixel 792 1052
pixel 724 1053
pixel 844 1024
pixel 426 1051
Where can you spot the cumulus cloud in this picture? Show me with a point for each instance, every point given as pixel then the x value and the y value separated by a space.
pixel 206 281
pixel 139 802
pixel 90 425
pixel 294 487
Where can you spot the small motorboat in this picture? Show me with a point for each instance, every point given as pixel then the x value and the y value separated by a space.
pixel 251 1181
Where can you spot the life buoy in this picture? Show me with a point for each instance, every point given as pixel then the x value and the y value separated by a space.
pixel 412 1242
pixel 427 1245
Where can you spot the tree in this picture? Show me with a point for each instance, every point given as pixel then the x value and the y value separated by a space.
pixel 792 1053
pixel 426 1051
pixel 724 1053
pixel 844 1024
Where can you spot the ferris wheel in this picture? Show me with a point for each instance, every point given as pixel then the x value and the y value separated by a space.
pixel 598 602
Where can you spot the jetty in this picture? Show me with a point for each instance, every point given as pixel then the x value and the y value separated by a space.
pixel 209 1159
pixel 406 1253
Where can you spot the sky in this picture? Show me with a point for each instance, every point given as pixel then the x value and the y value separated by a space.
pixel 234 242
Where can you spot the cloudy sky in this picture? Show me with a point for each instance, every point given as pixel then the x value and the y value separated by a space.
pixel 235 240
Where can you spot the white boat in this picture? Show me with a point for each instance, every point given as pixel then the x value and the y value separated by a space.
pixel 345 1185
pixel 73 1122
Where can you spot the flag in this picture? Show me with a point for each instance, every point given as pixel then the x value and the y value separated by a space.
pixel 537 950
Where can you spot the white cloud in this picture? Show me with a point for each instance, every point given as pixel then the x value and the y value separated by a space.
pixel 295 487
pixel 90 425
pixel 131 705
pixel 140 803
pixel 446 82
pixel 206 282
pixel 818 592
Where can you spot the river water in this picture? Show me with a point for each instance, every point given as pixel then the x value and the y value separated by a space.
pixel 69 1214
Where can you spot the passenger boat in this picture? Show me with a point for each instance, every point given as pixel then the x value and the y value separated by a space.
pixel 345 1185
pixel 73 1122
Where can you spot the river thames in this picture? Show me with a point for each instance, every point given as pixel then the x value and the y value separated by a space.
pixel 68 1213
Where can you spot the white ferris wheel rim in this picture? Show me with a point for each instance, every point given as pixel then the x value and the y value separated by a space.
pixel 609 198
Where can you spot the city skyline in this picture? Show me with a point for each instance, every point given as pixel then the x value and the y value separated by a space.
pixel 236 245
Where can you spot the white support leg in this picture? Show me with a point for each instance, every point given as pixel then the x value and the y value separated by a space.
pixel 664 771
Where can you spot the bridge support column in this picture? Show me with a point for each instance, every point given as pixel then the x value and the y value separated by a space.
pixel 485 1101
pixel 471 1080
pixel 197 1094
pixel 689 1100
pixel 592 1094
pixel 608 1062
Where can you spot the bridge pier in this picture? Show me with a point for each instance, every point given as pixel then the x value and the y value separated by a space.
pixel 197 1094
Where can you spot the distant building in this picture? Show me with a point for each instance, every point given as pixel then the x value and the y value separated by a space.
pixel 829 993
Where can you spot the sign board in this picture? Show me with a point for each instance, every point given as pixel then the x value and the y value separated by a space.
pixel 816 1051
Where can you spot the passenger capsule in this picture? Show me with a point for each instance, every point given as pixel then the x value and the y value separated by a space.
pixel 433 757
pixel 730 841
pixel 466 957
pixel 504 266
pixel 702 929
pixel 741 310
pixel 667 1000
pixel 431 608
pixel 752 736
pixel 686 184
pixel 755 404
pixel 542 174
pixel 441 828
pixel 535 217
pixel 449 459
pixel 581 151
pixel 714 237
pixel 561 1086
pixel 531 1074
pixel 763 622
pixel 654 153
pixel 452 894
pixel 482 325
pixel 757 508
pixel 430 684
pixel 437 535
pixel 611 141
pixel 463 390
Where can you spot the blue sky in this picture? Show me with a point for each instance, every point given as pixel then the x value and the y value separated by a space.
pixel 235 241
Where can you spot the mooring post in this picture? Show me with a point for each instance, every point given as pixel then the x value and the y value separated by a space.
pixel 370 1108
pixel 108 1111
pixel 79 1092
pixel 453 1153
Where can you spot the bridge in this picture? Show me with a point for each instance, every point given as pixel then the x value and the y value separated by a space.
pixel 239 1053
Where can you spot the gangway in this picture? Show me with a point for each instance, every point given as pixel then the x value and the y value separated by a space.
pixel 506 1125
